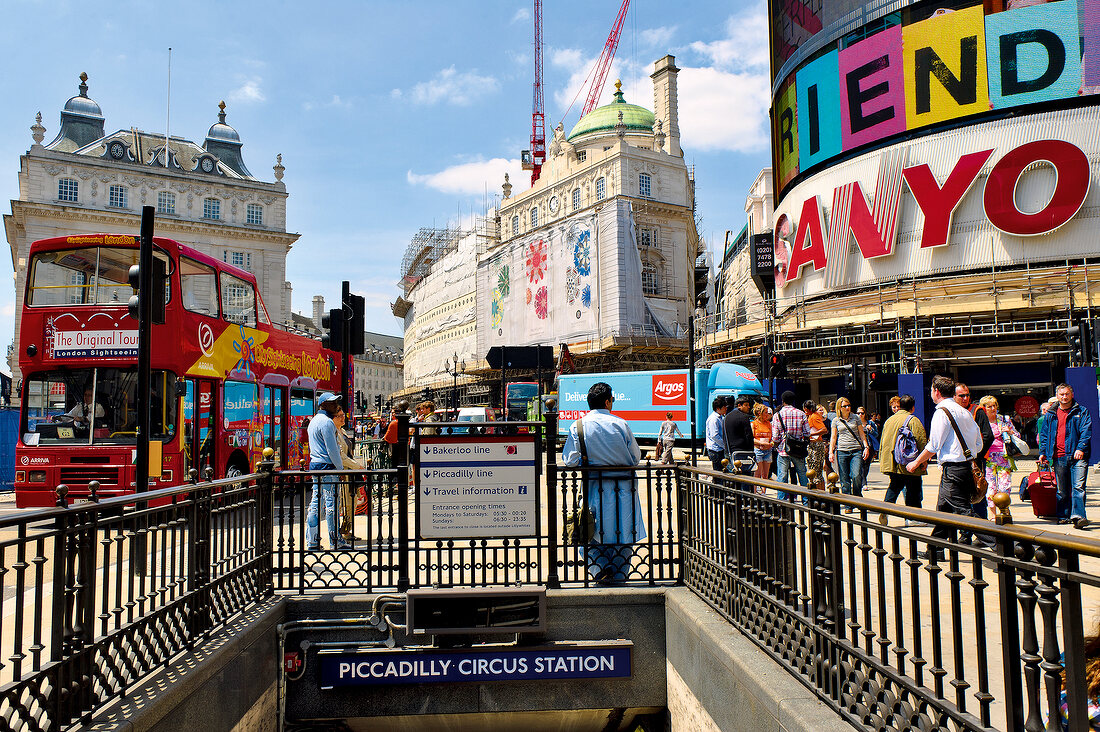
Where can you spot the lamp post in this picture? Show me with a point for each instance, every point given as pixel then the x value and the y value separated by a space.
pixel 453 366
pixel 698 312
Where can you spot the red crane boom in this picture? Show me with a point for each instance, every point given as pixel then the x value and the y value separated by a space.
pixel 536 156
pixel 604 63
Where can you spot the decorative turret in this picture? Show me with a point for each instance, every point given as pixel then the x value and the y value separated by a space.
pixel 224 143
pixel 81 121
pixel 618 117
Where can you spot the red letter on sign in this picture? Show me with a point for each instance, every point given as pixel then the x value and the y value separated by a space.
pixel 1071 186
pixel 938 204
pixel 811 227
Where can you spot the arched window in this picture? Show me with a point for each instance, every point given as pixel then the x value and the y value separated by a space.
pixel 649 279
pixel 515 225
pixel 601 189
pixel 535 216
pixel 68 190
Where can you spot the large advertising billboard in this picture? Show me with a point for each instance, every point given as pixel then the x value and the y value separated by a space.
pixel 922 67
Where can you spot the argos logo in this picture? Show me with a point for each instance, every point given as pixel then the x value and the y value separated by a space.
pixel 670 389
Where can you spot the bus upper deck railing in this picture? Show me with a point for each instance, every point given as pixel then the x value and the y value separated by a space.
pixel 893 628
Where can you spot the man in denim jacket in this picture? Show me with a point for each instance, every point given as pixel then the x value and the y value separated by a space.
pixel 1066 438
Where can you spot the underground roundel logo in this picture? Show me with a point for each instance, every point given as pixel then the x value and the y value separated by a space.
pixel 669 389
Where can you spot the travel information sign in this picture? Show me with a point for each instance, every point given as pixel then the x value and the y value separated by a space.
pixel 476 485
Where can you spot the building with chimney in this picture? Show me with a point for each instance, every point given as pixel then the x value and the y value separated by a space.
pixel 87 181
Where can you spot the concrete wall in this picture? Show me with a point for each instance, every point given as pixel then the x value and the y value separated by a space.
pixel 720 681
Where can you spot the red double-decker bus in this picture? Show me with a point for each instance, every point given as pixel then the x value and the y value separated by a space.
pixel 225 382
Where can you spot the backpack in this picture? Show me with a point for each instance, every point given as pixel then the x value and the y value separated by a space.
pixel 905 446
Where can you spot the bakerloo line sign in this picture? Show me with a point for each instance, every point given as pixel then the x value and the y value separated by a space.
pixel 874 227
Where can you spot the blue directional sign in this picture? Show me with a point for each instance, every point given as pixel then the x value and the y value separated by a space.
pixel 580 660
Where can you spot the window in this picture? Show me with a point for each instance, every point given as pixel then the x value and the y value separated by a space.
pixel 67 190
pixel 647 237
pixel 255 214
pixel 601 189
pixel 576 199
pixel 238 259
pixel 211 208
pixel 117 197
pixel 83 406
pixel 166 202
pixel 515 225
pixel 199 286
pixel 582 155
pixel 238 301
pixel 535 216
pixel 84 276
pixel 649 278
pixel 644 187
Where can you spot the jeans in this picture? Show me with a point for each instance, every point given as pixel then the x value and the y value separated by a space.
pixel 956 488
pixel 326 485
pixel 910 484
pixel 849 464
pixel 716 458
pixel 783 471
pixel 1070 475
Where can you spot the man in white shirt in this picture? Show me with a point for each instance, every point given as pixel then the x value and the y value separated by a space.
pixel 82 412
pixel 957 481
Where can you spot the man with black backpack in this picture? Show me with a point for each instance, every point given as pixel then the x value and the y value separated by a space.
pixel 903 439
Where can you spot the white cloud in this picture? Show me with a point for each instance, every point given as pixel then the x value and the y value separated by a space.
pixel 579 66
pixel 720 110
pixel 249 91
pixel 452 87
pixel 471 178
pixel 657 36
pixel 743 46
pixel 521 14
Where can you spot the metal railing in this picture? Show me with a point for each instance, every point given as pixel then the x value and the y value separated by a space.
pixel 97 595
pixel 892 627
pixel 896 629
pixel 388 554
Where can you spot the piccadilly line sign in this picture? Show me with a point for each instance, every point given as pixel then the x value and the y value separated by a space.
pixel 564 660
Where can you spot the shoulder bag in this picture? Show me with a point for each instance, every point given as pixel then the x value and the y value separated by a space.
pixel 580 524
pixel 863 445
pixel 977 466
pixel 797 447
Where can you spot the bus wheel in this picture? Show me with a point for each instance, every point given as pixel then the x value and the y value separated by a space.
pixel 234 470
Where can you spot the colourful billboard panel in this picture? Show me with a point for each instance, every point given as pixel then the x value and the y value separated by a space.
pixel 933 68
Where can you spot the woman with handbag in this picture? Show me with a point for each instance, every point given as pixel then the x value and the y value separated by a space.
pixel 998 459
pixel 848 448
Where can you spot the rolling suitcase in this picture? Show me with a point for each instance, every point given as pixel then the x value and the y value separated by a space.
pixel 1044 494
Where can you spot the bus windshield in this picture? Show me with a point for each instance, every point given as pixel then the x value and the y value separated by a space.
pixel 94 406
pixel 86 276
pixel 519 395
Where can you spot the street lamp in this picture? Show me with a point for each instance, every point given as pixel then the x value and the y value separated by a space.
pixel 698 312
pixel 453 366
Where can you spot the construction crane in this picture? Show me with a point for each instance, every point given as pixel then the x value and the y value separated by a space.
pixel 603 65
pixel 534 158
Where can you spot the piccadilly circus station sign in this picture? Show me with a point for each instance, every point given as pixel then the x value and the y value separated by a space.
pixel 873 224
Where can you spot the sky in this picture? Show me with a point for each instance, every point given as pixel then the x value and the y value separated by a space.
pixel 390 115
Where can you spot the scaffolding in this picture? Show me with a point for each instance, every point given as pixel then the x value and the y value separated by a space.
pixel 428 245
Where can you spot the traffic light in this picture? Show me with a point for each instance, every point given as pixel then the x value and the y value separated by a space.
pixel 872 378
pixel 333 326
pixel 777 366
pixel 358 325
pixel 850 378
pixel 1078 337
pixel 378 402
pixel 359 406
pixel 158 284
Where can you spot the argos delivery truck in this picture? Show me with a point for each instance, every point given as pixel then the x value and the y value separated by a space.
pixel 643 398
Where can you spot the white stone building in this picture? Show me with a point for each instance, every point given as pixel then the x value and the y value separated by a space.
pixel 599 253
pixel 88 181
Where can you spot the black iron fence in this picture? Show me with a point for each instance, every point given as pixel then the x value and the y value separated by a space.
pixel 892 627
pixel 387 552
pixel 99 594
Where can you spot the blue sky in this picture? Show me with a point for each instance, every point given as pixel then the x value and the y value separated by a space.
pixel 390 116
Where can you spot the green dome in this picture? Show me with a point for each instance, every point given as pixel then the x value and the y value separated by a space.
pixel 605 118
